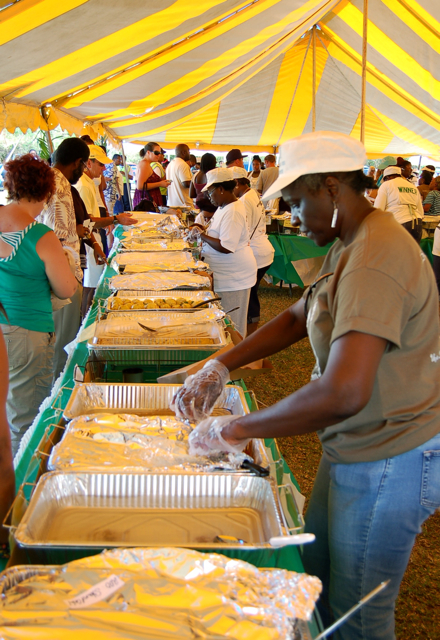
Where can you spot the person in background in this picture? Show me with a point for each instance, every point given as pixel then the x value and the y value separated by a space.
pixel 32 263
pixel 374 395
pixel 192 163
pixel 7 486
pixel 399 197
pixel 179 177
pixel 148 183
pixel 207 163
pixel 255 173
pixel 425 180
pixel 406 169
pixel 59 214
pixel 261 247
pixel 126 184
pixel 268 175
pixel 226 247
pixel 203 219
pixel 101 184
pixel 234 158
pixel 371 172
pixel 160 171
pixel 112 193
pixel 431 204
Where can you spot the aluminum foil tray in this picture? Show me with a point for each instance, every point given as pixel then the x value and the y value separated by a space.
pixel 149 444
pixel 166 317
pixel 204 295
pixel 160 281
pixel 153 218
pixel 183 293
pixel 102 510
pixel 156 261
pixel 141 399
pixel 145 350
pixel 159 594
pixel 151 245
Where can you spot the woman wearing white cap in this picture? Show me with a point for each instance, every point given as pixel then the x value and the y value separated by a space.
pixel 374 397
pixel 226 247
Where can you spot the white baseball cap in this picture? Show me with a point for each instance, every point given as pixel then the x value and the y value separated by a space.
pixel 238 172
pixel 392 171
pixel 218 175
pixel 317 152
pixel 96 153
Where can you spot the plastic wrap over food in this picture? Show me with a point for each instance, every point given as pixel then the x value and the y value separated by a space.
pixel 157 261
pixel 157 302
pixel 127 441
pixel 159 594
pixel 119 326
pixel 167 318
pixel 159 281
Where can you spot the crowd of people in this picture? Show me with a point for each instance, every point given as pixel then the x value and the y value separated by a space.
pixel 371 317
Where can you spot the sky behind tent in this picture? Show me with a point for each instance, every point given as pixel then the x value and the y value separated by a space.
pixel 223 73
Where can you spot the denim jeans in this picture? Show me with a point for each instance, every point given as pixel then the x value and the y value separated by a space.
pixel 365 517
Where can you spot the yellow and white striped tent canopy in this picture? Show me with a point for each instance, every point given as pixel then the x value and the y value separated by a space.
pixel 223 73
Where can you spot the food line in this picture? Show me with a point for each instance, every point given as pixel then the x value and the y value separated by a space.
pixel 49 424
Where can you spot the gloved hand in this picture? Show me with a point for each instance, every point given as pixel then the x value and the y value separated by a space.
pixel 207 437
pixel 196 399
pixel 193 234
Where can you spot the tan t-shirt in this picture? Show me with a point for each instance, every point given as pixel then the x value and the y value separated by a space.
pixel 383 285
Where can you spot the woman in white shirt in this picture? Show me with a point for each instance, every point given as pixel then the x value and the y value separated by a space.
pixel 227 248
pixel 260 244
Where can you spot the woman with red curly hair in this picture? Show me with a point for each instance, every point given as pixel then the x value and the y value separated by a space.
pixel 32 263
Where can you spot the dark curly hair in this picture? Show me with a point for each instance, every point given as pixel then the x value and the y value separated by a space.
pixel 356 180
pixel 30 178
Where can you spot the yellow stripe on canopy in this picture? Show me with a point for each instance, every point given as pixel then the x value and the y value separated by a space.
pixel 199 129
pixel 390 50
pixel 377 135
pixel 119 41
pixel 406 134
pixel 30 14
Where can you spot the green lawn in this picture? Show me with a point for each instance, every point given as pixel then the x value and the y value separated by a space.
pixel 418 606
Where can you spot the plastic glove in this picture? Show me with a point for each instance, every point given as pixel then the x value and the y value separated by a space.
pixel 207 437
pixel 194 234
pixel 196 399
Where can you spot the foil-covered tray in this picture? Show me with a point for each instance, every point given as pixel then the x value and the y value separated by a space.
pixel 194 296
pixel 126 442
pixel 102 510
pixel 157 318
pixel 152 245
pixel 142 399
pixel 159 594
pixel 142 261
pixel 146 219
pixel 160 281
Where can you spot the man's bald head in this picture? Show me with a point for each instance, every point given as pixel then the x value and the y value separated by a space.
pixel 182 151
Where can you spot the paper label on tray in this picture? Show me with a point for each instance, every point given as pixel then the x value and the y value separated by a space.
pixel 95 594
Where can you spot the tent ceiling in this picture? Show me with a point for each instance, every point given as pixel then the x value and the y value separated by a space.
pixel 225 72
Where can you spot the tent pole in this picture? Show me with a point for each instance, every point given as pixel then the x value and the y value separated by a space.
pixel 420 162
pixel 314 78
pixel 47 133
pixel 364 70
pixel 126 176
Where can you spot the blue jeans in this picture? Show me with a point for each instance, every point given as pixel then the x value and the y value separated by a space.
pixel 365 517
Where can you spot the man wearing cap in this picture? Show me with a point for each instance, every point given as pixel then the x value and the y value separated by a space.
pixel 112 192
pixel 234 158
pixel 180 176
pixel 403 200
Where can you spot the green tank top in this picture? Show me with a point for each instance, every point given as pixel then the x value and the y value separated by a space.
pixel 24 287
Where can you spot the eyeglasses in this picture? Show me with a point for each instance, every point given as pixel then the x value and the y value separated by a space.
pixel 84 164
pixel 157 153
pixel 209 193
pixel 311 290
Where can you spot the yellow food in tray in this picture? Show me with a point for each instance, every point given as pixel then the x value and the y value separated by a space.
pixel 126 304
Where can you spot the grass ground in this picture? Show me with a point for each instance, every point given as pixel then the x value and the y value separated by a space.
pixel 418 605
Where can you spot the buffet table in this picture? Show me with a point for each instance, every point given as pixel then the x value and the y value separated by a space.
pixel 31 460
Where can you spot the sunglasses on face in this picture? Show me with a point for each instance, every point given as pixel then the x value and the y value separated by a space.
pixel 157 153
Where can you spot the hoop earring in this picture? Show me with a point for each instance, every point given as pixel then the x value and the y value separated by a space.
pixel 335 216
